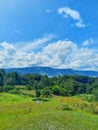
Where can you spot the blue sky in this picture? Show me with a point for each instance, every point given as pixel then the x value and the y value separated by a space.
pixel 61 34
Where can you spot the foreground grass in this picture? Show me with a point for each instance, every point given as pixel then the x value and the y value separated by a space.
pixel 59 113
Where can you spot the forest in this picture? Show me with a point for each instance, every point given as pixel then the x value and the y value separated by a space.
pixel 43 85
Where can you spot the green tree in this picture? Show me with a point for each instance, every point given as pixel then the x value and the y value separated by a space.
pixel 95 92
pixel 46 92
pixel 2 74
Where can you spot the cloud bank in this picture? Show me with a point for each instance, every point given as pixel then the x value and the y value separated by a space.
pixel 59 54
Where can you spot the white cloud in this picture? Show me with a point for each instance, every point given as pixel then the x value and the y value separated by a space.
pixel 80 24
pixel 69 12
pixel 75 15
pixel 88 42
pixel 37 43
pixel 60 54
pixel 66 54
pixel 48 11
pixel 7 46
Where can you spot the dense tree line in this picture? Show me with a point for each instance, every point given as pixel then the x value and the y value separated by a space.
pixel 61 85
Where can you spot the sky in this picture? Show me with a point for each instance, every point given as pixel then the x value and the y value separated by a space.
pixel 52 33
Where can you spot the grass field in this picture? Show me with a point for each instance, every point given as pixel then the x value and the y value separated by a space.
pixel 19 112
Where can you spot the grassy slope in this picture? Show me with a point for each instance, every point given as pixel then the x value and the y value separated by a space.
pixel 21 113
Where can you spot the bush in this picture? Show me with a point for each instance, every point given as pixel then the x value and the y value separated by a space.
pixel 46 92
pixel 56 90
pixel 15 91
pixel 7 88
pixel 1 88
pixel 87 97
pixel 94 109
pixel 95 92
pixel 38 93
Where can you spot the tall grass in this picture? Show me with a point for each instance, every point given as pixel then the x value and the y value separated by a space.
pixel 22 113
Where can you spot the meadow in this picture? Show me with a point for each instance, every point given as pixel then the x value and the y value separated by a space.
pixel 22 112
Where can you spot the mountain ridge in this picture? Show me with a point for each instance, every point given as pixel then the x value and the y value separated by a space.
pixel 51 71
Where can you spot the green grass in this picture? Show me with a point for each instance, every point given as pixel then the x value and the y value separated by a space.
pixel 19 112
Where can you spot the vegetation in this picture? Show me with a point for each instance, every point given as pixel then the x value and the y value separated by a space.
pixel 47 86
pixel 18 112
pixel 39 102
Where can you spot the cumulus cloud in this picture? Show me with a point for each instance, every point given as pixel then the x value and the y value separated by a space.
pixel 66 54
pixel 67 12
pixel 7 46
pixel 88 42
pixel 59 54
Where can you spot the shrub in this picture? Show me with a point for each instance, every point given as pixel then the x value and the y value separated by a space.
pixel 1 88
pixel 94 108
pixel 7 88
pixel 95 92
pixel 15 91
pixel 38 93
pixel 46 92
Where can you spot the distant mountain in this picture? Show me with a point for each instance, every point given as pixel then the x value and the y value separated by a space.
pixel 51 71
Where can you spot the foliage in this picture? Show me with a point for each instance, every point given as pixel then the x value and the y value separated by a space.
pixel 43 85
pixel 87 97
pixel 95 92
pixel 7 88
pixel 46 92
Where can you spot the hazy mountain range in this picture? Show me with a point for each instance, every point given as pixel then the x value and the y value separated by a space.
pixel 51 71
